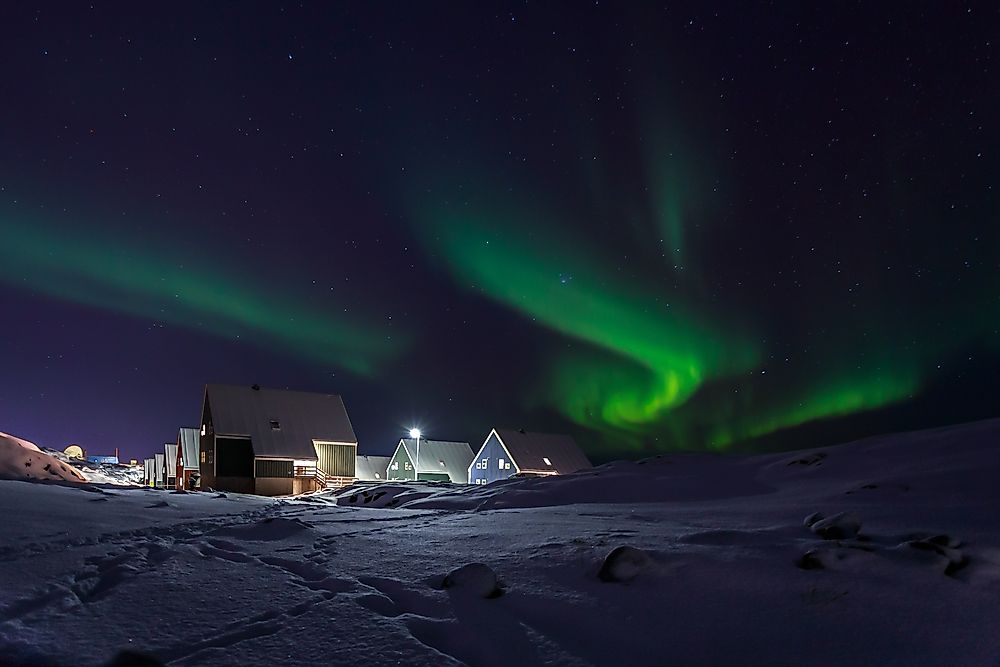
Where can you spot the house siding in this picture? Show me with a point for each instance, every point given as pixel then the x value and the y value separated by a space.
pixel 337 460
pixel 400 466
pixel 206 446
pixel 486 465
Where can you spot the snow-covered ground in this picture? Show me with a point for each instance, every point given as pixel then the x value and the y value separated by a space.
pixel 685 560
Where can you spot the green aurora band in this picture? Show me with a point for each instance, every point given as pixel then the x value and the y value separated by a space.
pixel 660 353
pixel 107 273
pixel 646 367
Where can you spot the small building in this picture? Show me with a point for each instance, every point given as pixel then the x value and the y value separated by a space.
pixel 170 462
pixel 160 471
pixel 74 452
pixel 274 442
pixel 188 458
pixel 96 458
pixel 440 461
pixel 517 452
pixel 371 468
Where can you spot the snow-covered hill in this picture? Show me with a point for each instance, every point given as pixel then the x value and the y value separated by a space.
pixel 23 460
pixel 883 551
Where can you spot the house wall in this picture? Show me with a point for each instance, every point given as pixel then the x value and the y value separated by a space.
pixel 434 476
pixel 486 466
pixel 234 484
pixel 234 464
pixel 400 466
pixel 206 445
pixel 274 486
pixel 303 485
pixel 337 459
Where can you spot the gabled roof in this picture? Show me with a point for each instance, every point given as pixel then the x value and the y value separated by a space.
pixel 300 417
pixel 188 439
pixel 441 456
pixel 170 452
pixel 366 467
pixel 529 451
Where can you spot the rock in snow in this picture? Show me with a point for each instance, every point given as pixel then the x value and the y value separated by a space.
pixel 475 579
pixel 624 564
pixel 841 526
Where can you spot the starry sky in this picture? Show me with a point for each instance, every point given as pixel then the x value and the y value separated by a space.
pixel 656 226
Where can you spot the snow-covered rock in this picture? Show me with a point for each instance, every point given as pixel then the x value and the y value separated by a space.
pixel 23 460
pixel 624 564
pixel 474 579
pixel 840 526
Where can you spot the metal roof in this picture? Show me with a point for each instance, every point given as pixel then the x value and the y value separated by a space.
pixel 189 441
pixel 529 451
pixel 170 454
pixel 437 456
pixel 370 468
pixel 280 423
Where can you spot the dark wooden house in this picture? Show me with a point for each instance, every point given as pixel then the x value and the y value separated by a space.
pixel 511 452
pixel 440 461
pixel 274 442
pixel 188 456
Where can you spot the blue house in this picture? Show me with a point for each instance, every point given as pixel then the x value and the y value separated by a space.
pixel 508 452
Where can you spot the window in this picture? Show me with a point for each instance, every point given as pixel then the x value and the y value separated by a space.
pixel 203 457
pixel 547 462
pixel 441 462
pixel 506 466
pixel 500 461
pixel 479 465
pixel 395 465
pixel 275 425
pixel 485 463
pixel 204 429
pixel 377 476
pixel 406 465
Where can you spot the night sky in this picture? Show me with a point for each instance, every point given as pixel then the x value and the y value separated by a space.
pixel 656 226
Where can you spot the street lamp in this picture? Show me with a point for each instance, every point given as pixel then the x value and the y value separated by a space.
pixel 415 433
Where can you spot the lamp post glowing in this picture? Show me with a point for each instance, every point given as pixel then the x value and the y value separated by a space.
pixel 415 433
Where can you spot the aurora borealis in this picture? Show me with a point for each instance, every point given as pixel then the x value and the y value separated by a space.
pixel 657 228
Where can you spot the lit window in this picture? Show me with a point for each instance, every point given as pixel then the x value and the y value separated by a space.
pixel 203 457
pixel 441 462
pixel 406 465
pixel 506 466
pixel 485 463
pixel 204 428
pixel 500 461
pixel 395 465
pixel 479 465
pixel 547 462
pixel 377 476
